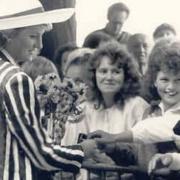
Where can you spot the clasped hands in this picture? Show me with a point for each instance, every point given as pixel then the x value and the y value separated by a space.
pixel 97 144
pixel 159 164
pixel 162 163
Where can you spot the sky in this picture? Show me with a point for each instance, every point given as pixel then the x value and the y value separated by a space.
pixel 145 15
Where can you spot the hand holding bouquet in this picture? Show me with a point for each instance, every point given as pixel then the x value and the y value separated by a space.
pixel 59 101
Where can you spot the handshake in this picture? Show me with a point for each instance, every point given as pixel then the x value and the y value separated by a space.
pixel 97 142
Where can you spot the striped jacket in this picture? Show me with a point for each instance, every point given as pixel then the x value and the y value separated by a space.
pixel 25 147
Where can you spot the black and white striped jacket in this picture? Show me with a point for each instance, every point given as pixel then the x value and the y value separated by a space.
pixel 24 145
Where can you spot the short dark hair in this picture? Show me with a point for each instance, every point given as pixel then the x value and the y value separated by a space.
pixel 118 7
pixel 164 26
pixel 120 56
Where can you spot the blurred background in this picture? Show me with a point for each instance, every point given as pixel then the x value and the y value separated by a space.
pixel 90 15
pixel 145 15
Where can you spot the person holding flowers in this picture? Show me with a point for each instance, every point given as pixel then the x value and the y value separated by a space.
pixel 25 147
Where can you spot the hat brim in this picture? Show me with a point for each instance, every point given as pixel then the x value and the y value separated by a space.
pixel 47 17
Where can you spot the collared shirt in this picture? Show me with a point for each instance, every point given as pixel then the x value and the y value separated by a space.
pixel 158 128
pixel 27 147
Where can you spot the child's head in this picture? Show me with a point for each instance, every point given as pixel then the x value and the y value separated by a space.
pixel 38 67
pixel 77 65
pixel 163 75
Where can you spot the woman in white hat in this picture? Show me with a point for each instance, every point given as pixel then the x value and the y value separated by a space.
pixel 24 146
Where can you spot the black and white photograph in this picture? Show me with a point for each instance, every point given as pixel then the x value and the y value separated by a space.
pixel 89 90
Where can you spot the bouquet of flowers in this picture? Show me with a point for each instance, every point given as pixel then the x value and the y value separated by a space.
pixel 59 101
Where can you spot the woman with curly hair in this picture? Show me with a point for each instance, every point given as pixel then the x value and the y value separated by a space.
pixel 113 104
pixel 162 117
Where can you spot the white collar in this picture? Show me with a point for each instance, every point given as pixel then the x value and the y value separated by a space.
pixel 176 107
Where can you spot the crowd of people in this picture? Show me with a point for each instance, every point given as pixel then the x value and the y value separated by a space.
pixel 129 109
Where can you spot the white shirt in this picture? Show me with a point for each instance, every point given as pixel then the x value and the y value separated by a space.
pixel 157 129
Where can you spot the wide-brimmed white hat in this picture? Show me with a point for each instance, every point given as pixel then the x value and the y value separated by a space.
pixel 23 13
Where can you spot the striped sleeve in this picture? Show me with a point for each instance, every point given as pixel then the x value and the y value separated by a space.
pixel 23 119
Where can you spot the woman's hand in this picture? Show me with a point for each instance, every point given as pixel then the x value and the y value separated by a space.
pixel 102 138
pixel 98 134
pixel 159 164
pixel 89 147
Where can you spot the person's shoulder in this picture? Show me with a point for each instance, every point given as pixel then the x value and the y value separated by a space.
pixel 91 107
pixel 136 100
pixel 126 33
pixel 7 71
pixel 96 32
pixel 124 37
pixel 17 76
pixel 136 103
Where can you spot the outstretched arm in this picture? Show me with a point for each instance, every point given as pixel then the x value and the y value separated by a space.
pixel 103 138
pixel 23 120
pixel 151 130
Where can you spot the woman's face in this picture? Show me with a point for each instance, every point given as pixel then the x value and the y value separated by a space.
pixel 109 77
pixel 168 87
pixel 26 43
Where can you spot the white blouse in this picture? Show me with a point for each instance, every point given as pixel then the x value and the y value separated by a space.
pixel 112 120
pixel 157 129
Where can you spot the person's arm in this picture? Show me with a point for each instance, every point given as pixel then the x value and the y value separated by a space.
pixel 154 129
pixel 151 130
pixel 23 121
pixel 102 138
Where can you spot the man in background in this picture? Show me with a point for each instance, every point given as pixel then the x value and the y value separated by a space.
pixel 117 16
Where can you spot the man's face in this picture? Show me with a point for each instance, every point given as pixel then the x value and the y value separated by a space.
pixel 26 43
pixel 116 21
pixel 139 46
